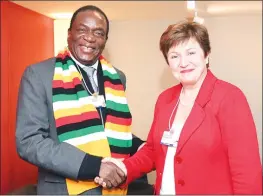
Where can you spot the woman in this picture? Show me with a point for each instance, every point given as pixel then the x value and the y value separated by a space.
pixel 203 138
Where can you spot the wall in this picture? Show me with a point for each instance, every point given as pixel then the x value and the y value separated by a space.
pixel 133 46
pixel 237 58
pixel 60 35
pixel 26 38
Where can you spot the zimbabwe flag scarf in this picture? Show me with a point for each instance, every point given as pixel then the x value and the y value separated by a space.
pixel 78 122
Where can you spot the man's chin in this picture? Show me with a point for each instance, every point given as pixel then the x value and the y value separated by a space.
pixel 88 59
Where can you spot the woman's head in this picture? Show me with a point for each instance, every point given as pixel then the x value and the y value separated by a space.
pixel 186 48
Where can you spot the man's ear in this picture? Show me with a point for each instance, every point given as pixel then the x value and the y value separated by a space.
pixel 69 33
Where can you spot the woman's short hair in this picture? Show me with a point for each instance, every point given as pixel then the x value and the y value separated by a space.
pixel 181 32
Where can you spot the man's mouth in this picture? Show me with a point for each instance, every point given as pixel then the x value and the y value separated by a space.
pixel 87 49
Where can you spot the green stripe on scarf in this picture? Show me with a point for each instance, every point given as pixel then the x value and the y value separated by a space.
pixel 73 97
pixel 120 143
pixel 117 106
pixel 65 66
pixel 112 76
pixel 79 133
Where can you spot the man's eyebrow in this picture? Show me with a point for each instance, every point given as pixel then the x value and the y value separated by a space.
pixel 96 28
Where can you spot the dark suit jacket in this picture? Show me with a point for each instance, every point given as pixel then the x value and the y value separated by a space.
pixel 36 135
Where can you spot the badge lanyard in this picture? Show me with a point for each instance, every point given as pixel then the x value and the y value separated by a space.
pixel 167 138
pixel 94 94
pixel 169 123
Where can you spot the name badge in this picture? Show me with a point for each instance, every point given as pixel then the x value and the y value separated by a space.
pixel 168 140
pixel 98 100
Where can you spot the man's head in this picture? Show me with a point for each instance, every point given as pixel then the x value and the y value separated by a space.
pixel 87 34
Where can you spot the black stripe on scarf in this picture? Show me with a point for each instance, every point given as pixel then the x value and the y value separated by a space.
pixel 118 113
pixel 78 125
pixel 120 150
pixel 113 81
pixel 64 61
pixel 69 91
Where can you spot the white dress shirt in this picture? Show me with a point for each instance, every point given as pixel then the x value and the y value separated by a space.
pixel 95 66
pixel 168 181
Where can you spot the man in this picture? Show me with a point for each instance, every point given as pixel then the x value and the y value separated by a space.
pixel 72 112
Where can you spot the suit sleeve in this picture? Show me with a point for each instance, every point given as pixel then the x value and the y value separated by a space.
pixel 239 134
pixel 32 134
pixel 143 161
pixel 122 77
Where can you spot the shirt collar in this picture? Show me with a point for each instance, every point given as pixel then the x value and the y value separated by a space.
pixel 95 65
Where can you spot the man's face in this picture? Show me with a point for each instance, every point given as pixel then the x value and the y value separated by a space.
pixel 87 37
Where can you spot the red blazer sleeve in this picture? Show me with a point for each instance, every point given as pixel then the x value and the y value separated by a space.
pixel 240 138
pixel 143 161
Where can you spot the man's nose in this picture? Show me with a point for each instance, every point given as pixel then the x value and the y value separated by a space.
pixel 89 36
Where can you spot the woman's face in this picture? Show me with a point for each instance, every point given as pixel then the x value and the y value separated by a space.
pixel 188 62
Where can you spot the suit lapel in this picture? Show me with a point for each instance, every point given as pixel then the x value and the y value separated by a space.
pixel 192 123
pixel 196 116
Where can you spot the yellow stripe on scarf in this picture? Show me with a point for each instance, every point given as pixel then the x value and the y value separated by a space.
pixel 119 128
pixel 115 92
pixel 104 62
pixel 74 111
pixel 97 148
pixel 74 74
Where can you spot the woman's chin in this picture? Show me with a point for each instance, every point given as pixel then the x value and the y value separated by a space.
pixel 188 82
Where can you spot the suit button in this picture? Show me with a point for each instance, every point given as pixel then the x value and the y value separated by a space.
pixel 181 182
pixel 178 160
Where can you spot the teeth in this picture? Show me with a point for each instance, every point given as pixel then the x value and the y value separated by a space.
pixel 87 49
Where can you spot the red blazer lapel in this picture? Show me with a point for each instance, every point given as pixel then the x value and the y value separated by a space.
pixel 193 121
pixel 197 115
pixel 195 118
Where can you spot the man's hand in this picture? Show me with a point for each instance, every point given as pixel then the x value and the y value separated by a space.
pixel 112 173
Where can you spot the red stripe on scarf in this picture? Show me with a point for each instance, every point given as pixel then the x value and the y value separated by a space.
pixel 77 118
pixel 114 86
pixel 66 85
pixel 63 54
pixel 119 121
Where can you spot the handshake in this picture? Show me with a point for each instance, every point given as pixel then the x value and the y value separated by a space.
pixel 112 173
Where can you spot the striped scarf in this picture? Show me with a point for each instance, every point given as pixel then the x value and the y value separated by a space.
pixel 78 122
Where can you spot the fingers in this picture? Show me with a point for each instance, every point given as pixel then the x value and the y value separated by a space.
pixel 96 179
pixel 116 162
pixel 119 176
pixel 113 178
pixel 101 182
pixel 107 184
pixel 110 175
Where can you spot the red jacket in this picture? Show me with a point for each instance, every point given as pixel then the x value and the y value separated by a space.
pixel 218 149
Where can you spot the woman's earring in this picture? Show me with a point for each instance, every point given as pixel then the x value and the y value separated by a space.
pixel 206 60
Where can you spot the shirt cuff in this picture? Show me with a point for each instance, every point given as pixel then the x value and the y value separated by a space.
pixel 90 167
